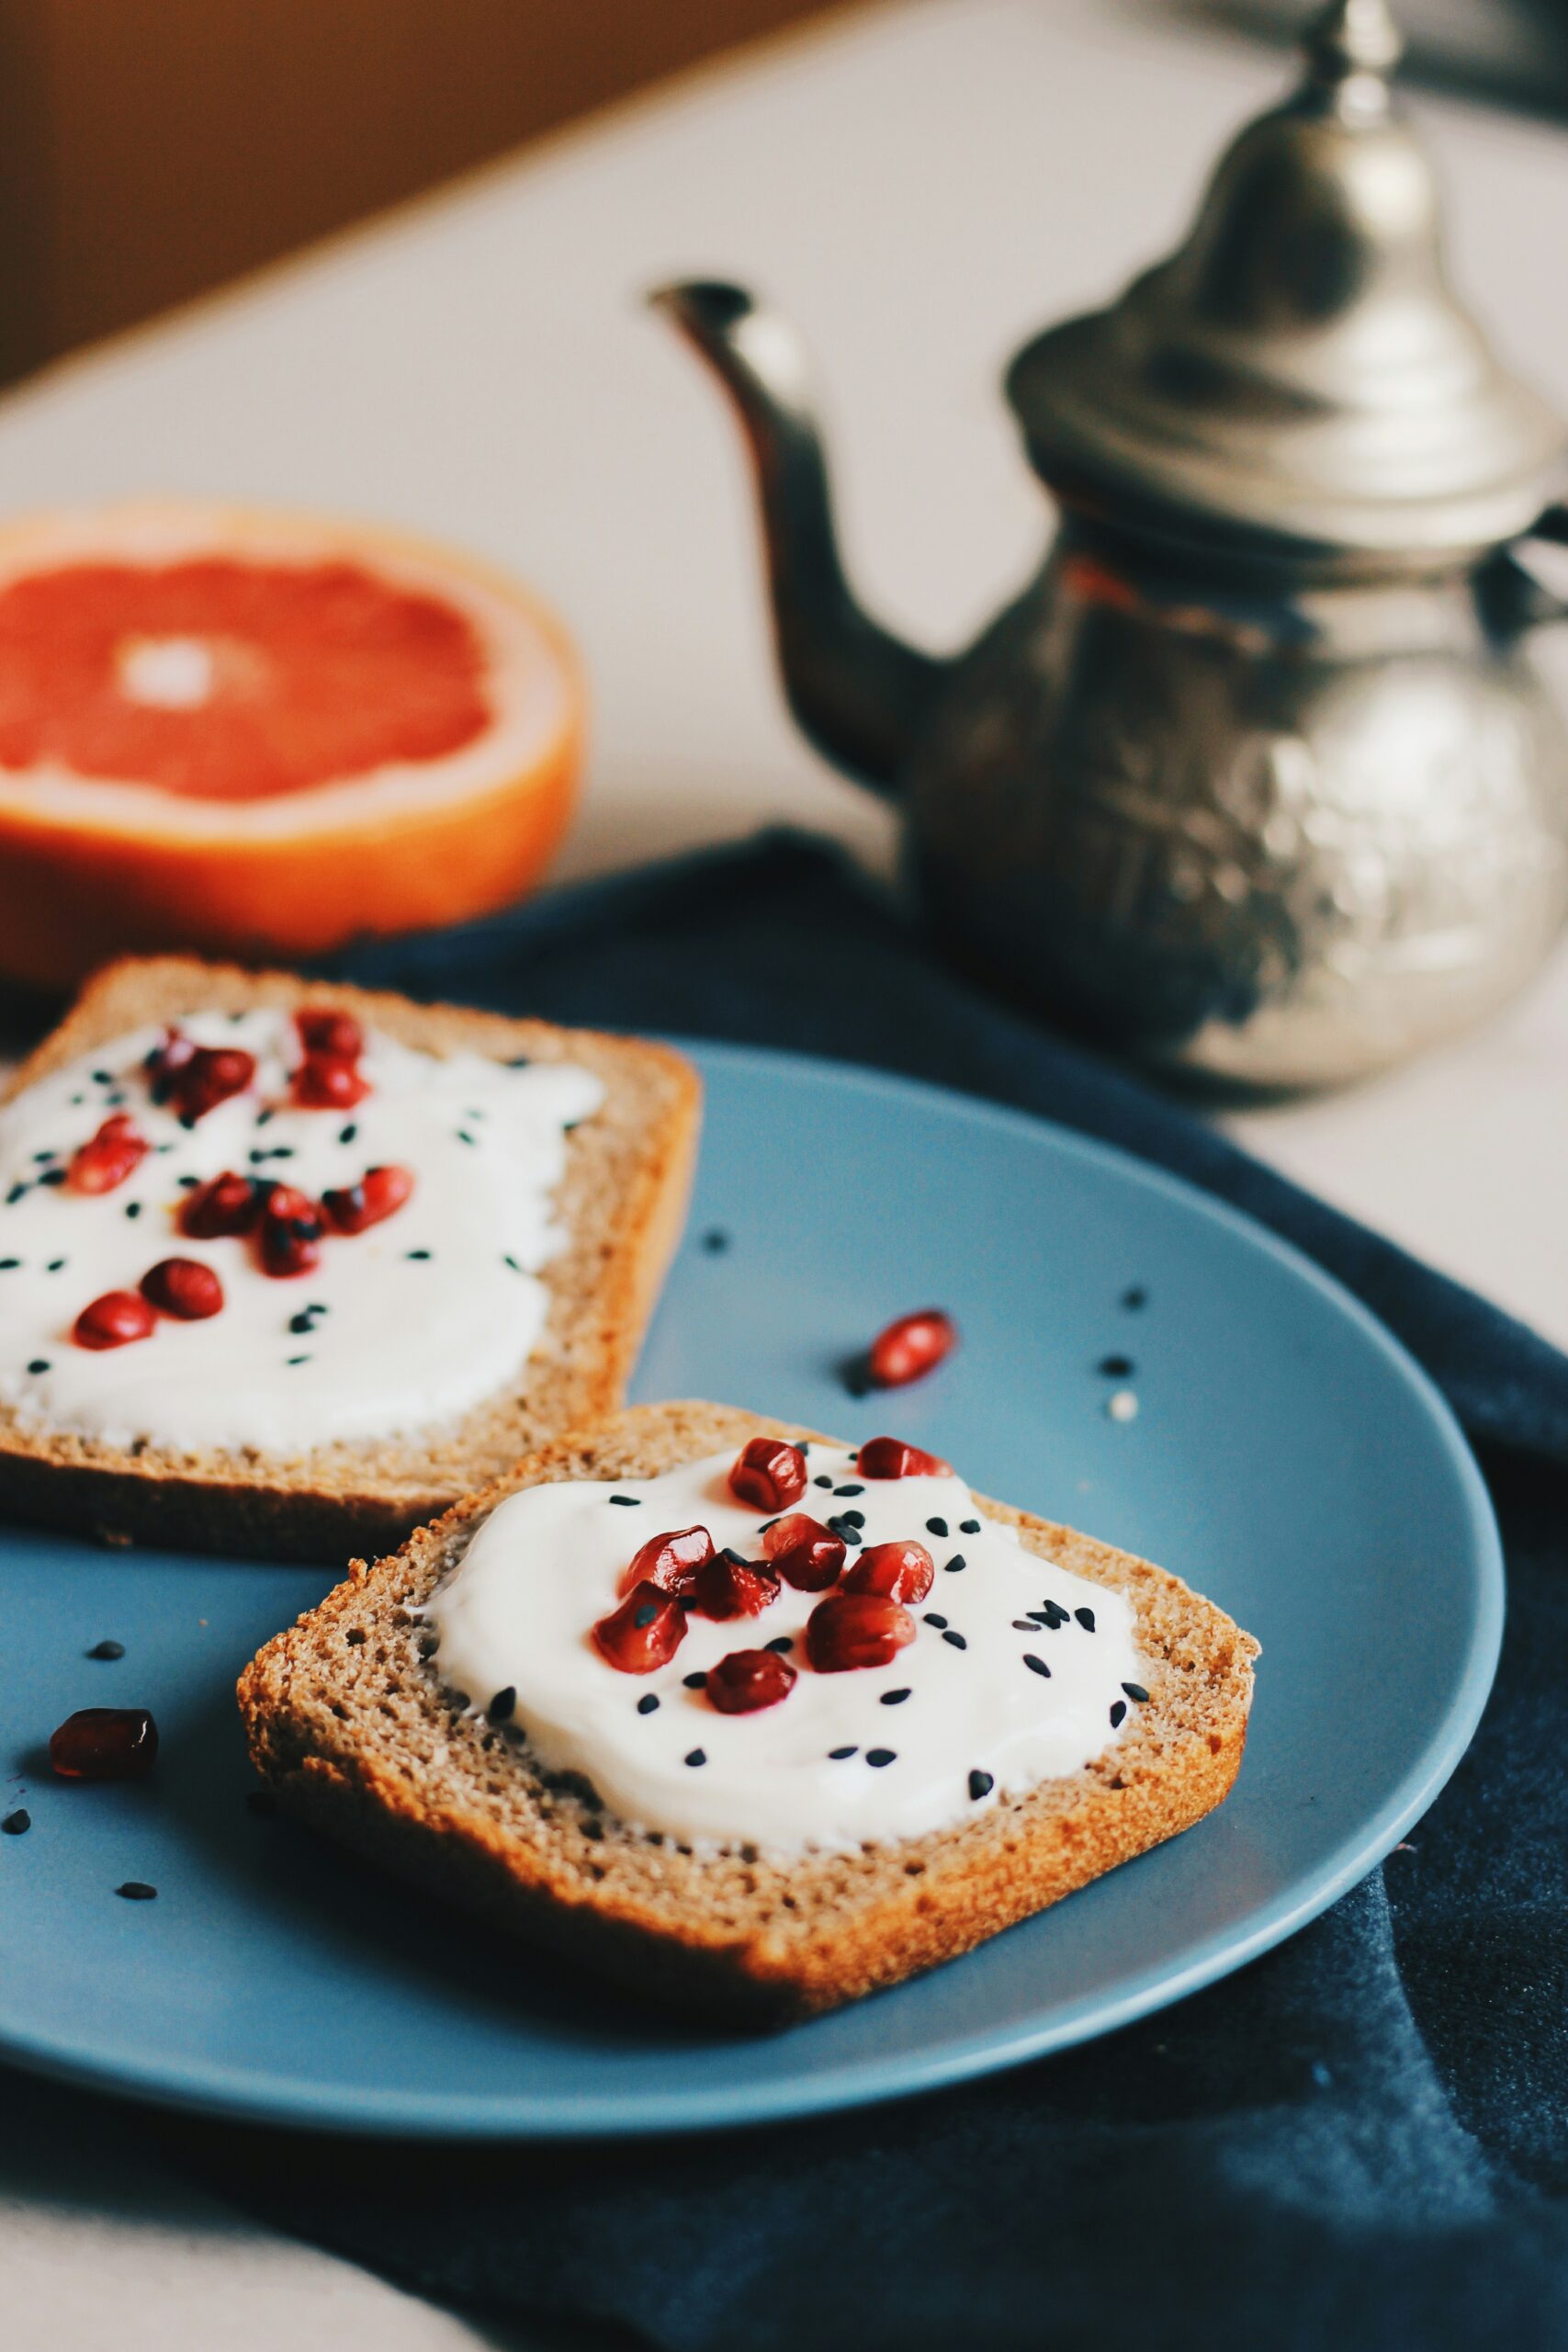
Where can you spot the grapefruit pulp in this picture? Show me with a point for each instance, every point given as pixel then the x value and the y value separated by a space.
pixel 262 734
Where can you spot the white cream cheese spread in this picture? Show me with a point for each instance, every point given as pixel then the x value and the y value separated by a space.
pixel 397 1329
pixel 1020 1672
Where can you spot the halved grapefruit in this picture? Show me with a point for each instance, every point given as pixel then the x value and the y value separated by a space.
pixel 265 734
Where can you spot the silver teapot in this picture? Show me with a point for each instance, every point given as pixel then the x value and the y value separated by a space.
pixel 1257 778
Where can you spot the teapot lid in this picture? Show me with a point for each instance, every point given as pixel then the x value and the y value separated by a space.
pixel 1299 374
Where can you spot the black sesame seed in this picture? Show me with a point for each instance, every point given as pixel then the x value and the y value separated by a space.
pixel 981 1786
pixel 695 1756
pixel 136 1890
pixel 114 1101
pixel 695 1681
pixel 628 1502
pixel 956 1564
pixel 1036 1664
pixel 188 1183
pixel 1135 1691
pixel 954 1641
pixel 53 1176
pixel 647 1704
pixel 781 1642
pixel 850 1535
pixel 836 1754
pixel 1085 1618
pixel 518 1061
pixel 18 1824
pixel 1116 1367
pixel 55 1266
pixel 8 1265
pixel 1021 1625
pixel 417 1253
pixel 347 1134
pixel 763 1525
pixel 936 1527
pixel 880 1755
pixel 1117 1713
pixel 737 1559
pixel 263 1118
pixel 501 1706
pixel 463 1137
pixel 293 1360
pixel 852 1518
pixel 103 1078
pixel 133 1208
pixel 107 1649
pixel 76 1101
pixel 17 1193
pixel 931 1618
pixel 43 1158
pixel 509 1260
pixel 716 1240
pixel 1134 1298
pixel 39 1364
pixel 893 1698
pixel 821 1482
pixel 968 1527
pixel 849 1490
pixel 301 1322
pixel 646 1615
pixel 1046 1617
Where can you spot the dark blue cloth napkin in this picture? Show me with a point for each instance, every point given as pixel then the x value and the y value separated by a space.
pixel 1360 2141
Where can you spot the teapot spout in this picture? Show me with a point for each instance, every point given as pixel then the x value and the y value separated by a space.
pixel 858 691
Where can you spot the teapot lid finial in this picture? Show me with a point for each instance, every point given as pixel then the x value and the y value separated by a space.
pixel 1299 375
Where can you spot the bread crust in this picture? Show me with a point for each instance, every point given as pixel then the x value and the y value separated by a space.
pixel 741 1939
pixel 632 1162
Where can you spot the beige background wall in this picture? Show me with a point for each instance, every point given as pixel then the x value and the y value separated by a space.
pixel 150 149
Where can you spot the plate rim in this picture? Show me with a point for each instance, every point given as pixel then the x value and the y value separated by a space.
pixel 373 2111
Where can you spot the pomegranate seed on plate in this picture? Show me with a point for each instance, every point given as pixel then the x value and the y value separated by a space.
pixel 228 1204
pixel 671 1561
pixel 644 1633
pixel 856 1629
pixel 805 1554
pixel 322 1084
pixel 183 1286
pixel 727 1588
pixel 911 1347
pixel 379 1191
pixel 889 1458
pixel 290 1232
pixel 899 1571
pixel 209 1074
pixel 105 1744
pixel 747 1679
pixel 110 1157
pixel 114 1320
pixel 334 1036
pixel 769 1472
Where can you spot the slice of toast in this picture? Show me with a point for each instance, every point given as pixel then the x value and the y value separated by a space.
pixel 622 1201
pixel 349 1722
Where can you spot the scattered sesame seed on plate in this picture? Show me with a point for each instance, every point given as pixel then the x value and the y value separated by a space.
pixel 136 1890
pixel 107 1650
pixel 1036 1664
pixel 647 1704
pixel 836 1754
pixel 880 1755
pixel 695 1756
pixel 968 1527
pixel 936 1527
pixel 894 1698
pixel 18 1824
pixel 981 1786
pixel 1085 1618
pixel 1136 1691
pixel 954 1641
pixel 1117 1713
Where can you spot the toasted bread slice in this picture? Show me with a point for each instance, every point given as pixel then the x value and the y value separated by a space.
pixel 349 1722
pixel 622 1201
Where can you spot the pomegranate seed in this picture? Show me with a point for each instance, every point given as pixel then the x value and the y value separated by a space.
pixel 323 1085
pixel 114 1320
pixel 899 1571
pixel 727 1588
pixel 332 1036
pixel 671 1562
pixel 209 1074
pixel 911 1347
pixel 889 1458
pixel 378 1193
pixel 290 1232
pixel 229 1203
pixel 645 1632
pixel 805 1554
pixel 855 1629
pixel 164 1062
pixel 105 1744
pixel 769 1472
pixel 110 1157
pixel 747 1679
pixel 183 1286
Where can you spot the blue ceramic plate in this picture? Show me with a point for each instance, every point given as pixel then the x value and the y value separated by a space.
pixel 1286 1457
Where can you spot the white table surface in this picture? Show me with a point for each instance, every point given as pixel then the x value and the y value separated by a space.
pixel 920 185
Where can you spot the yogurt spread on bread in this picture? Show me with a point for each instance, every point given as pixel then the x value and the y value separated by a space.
pixel 419 1301
pixel 1013 1671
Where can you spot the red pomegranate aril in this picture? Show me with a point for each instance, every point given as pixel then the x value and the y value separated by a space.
pixel 644 1633
pixel 321 1084
pixel 227 1204
pixel 290 1236
pixel 378 1194
pixel 671 1561
pixel 747 1679
pixel 105 1744
pixel 889 1458
pixel 183 1287
pixel 856 1629
pixel 805 1554
pixel 770 1473
pixel 211 1074
pixel 332 1036
pixel 164 1063
pixel 114 1320
pixel 110 1157
pixel 727 1588
pixel 911 1347
pixel 899 1571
